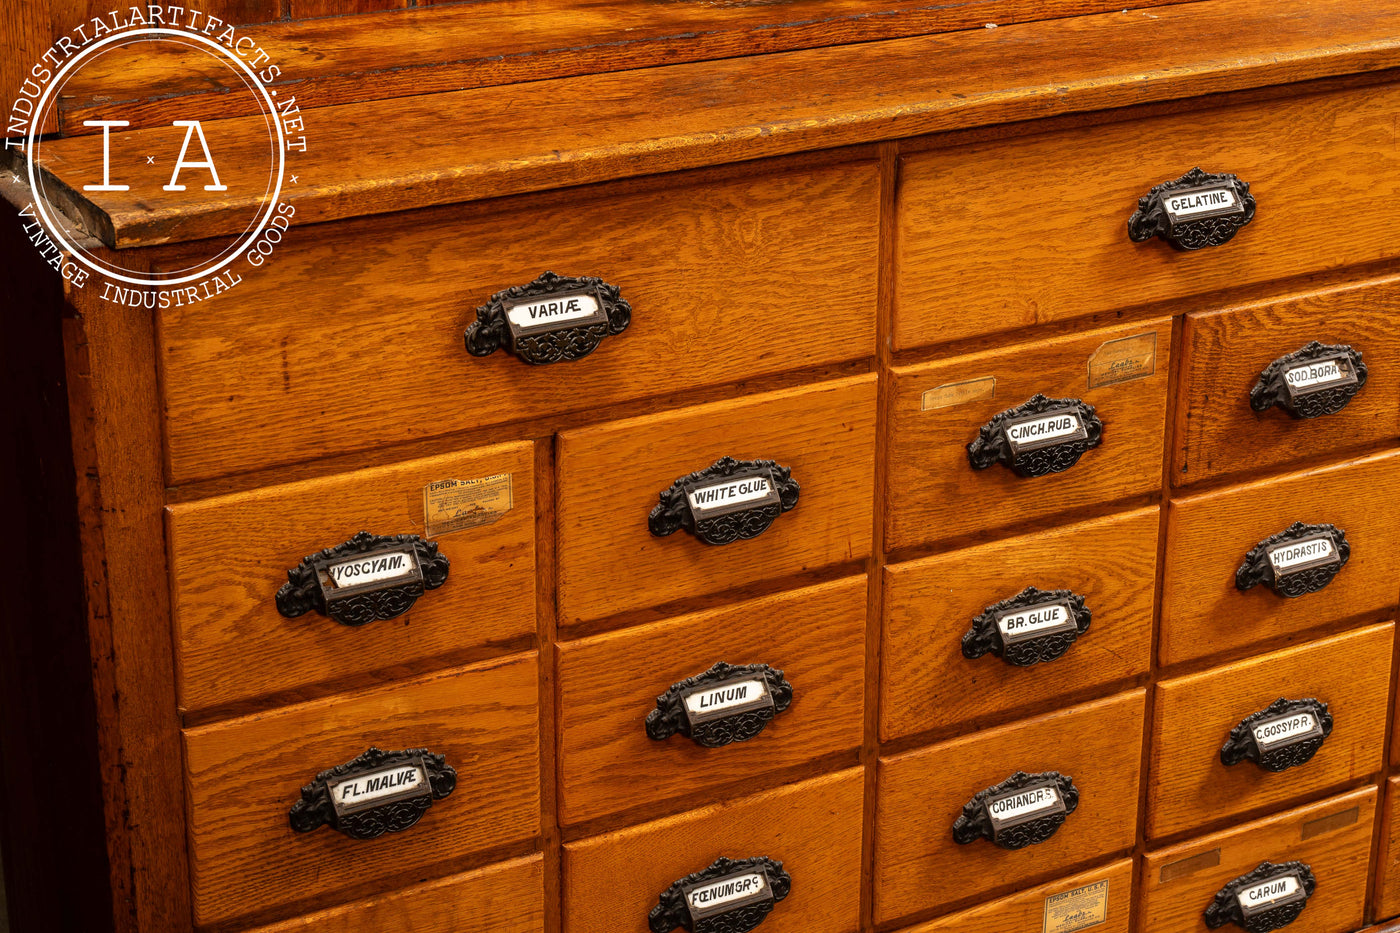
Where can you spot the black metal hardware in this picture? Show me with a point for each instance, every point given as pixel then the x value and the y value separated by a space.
pixel 1284 735
pixel 1023 810
pixel 1300 559
pixel 727 703
pixel 1198 209
pixel 1317 380
pixel 1268 898
pixel 1034 625
pixel 1043 436
pixel 553 318
pixel 368 577
pixel 729 501
pixel 731 896
pixel 379 792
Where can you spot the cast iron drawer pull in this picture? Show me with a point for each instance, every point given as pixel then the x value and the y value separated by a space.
pixel 379 792
pixel 1043 436
pixel 727 703
pixel 1034 625
pixel 729 501
pixel 1268 898
pixel 553 318
pixel 1197 210
pixel 1023 810
pixel 1285 735
pixel 1298 560
pixel 1317 380
pixel 368 577
pixel 731 896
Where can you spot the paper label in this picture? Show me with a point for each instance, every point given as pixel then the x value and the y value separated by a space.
pixel 555 309
pixel 1284 731
pixel 1311 551
pixel 376 568
pixel 1022 803
pixel 1078 909
pixel 1123 360
pixel 1261 896
pixel 714 700
pixel 1195 203
pixel 1317 374
pixel 1044 430
pixel 730 493
pixel 958 393
pixel 717 896
pixel 363 790
pixel 456 504
pixel 1034 621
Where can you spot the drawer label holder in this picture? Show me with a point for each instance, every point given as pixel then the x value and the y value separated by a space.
pixel 552 319
pixel 1299 560
pixel 729 501
pixel 1268 898
pixel 1043 436
pixel 731 896
pixel 1023 810
pixel 728 703
pixel 1317 380
pixel 368 578
pixel 379 792
pixel 1197 210
pixel 1284 735
pixel 1033 626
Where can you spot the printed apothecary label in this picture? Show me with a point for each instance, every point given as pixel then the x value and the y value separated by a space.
pixel 1044 430
pixel 1316 375
pixel 1286 730
pixel 376 788
pixel 452 505
pixel 730 495
pixel 723 895
pixel 1266 895
pixel 1292 556
pixel 1019 625
pixel 1123 360
pixel 553 312
pixel 726 698
pixel 1017 807
pixel 958 393
pixel 1201 202
pixel 1079 909
pixel 372 569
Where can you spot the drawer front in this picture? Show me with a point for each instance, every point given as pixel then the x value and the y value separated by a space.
pixel 1387 899
pixel 939 408
pixel 1332 838
pixel 919 866
pixel 1055 209
pixel 231 554
pixel 504 898
pixel 928 682
pixel 1194 716
pixel 1227 352
pixel 245 775
pixel 612 476
pixel 294 364
pixel 612 882
pixel 1100 899
pixel 1209 537
pixel 609 685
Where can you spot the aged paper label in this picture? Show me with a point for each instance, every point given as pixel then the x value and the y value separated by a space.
pixel 958 393
pixel 1078 909
pixel 1123 360
pixel 458 504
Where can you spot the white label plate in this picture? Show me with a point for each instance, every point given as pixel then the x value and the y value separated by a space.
pixel 1035 620
pixel 1308 551
pixel 1194 203
pixel 715 896
pixel 376 568
pixel 1047 429
pixel 554 309
pixel 1317 374
pixel 1022 803
pixel 363 790
pixel 729 493
pixel 1284 730
pixel 717 699
pixel 1260 896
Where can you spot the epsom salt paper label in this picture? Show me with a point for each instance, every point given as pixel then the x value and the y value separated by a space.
pixel 1191 204
pixel 374 568
pixel 731 494
pixel 1268 894
pixel 1044 430
pixel 1306 553
pixel 726 894
pixel 376 787
pixel 1317 375
pixel 1079 909
pixel 458 504
pixel 1286 730
pixel 1024 804
pixel 1021 624
pixel 553 311
pixel 715 701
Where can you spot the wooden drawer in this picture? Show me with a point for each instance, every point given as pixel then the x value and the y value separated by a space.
pixel 1387 897
pixel 609 683
pixel 1333 838
pixel 1055 212
pixel 926 681
pixel 1209 536
pixel 611 476
pixel 504 898
pixel 813 828
pixel 920 868
pixel 1100 899
pixel 245 775
pixel 935 493
pixel 1189 787
pixel 229 555
pixel 1219 434
pixel 294 364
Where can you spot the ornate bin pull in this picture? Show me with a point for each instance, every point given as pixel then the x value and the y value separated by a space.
pixel 1284 735
pixel 731 896
pixel 1268 898
pixel 553 318
pixel 368 577
pixel 1317 380
pixel 1034 625
pixel 1199 209
pixel 727 703
pixel 1298 560
pixel 1043 436
pixel 729 501
pixel 1023 810
pixel 379 792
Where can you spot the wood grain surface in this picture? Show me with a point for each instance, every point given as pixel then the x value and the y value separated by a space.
pixel 935 494
pixel 919 869
pixel 1209 535
pixel 926 683
pixel 1027 911
pixel 1189 788
pixel 245 774
pixel 611 475
pixel 1333 837
pixel 608 684
pixel 729 279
